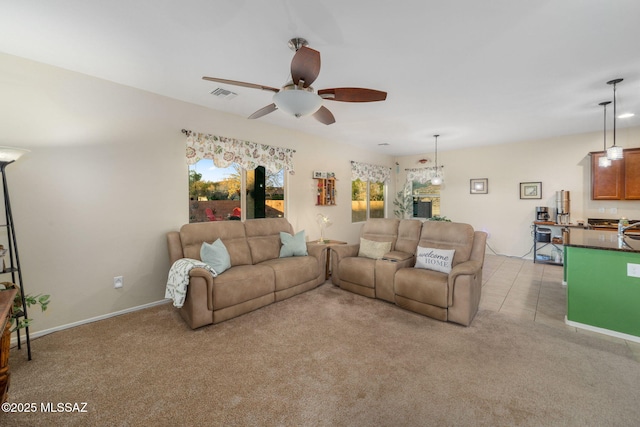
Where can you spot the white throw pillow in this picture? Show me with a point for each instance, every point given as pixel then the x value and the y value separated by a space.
pixel 435 259
pixel 371 249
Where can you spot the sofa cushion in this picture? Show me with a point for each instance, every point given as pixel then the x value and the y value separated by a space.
pixel 425 286
pixel 448 235
pixel 216 256
pixel 381 230
pixel 435 259
pixel 263 237
pixel 293 245
pixel 358 270
pixel 374 250
pixel 242 283
pixel 408 235
pixel 290 272
pixel 232 234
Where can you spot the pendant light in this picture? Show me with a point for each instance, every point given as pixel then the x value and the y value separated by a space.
pixel 437 179
pixel 614 152
pixel 604 161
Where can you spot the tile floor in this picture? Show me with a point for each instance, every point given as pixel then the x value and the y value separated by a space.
pixel 531 291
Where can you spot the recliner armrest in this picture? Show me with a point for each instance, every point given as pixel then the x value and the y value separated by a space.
pixel 345 251
pixel 316 250
pixel 208 277
pixel 466 268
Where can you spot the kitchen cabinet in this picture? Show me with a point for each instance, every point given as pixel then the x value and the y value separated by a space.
pixel 620 181
pixel 632 174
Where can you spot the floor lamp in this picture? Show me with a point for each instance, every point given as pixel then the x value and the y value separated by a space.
pixel 9 155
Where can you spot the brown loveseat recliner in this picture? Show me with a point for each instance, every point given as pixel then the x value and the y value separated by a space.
pixel 257 277
pixel 450 297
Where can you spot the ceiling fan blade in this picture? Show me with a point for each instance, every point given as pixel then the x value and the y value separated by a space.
pixel 264 111
pixel 244 84
pixel 323 115
pixel 352 94
pixel 305 66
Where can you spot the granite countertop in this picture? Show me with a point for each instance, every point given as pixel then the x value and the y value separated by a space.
pixel 601 239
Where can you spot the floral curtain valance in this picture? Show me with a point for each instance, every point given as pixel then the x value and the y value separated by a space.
pixel 423 175
pixel 368 172
pixel 249 155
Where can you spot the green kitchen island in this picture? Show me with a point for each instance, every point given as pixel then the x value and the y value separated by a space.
pixel 602 271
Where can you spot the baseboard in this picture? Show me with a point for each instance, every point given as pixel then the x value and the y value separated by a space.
pixel 14 339
pixel 603 331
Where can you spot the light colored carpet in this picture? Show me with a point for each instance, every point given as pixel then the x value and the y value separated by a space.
pixel 326 358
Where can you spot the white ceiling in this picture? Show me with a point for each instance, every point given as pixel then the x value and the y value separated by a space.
pixel 475 72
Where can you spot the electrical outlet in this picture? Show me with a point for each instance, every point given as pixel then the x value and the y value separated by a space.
pixel 613 210
pixel 118 281
pixel 600 210
pixel 633 270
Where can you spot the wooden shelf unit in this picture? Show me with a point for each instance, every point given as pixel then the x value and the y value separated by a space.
pixel 326 192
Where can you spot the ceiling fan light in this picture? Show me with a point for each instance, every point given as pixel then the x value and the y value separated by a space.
pixel 603 162
pixel 614 153
pixel 297 102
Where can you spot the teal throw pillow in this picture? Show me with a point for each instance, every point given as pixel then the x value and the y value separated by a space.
pixel 293 245
pixel 216 255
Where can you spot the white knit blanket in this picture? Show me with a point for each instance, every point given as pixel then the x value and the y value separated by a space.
pixel 179 279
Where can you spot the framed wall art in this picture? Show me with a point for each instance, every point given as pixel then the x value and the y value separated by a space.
pixel 479 186
pixel 531 190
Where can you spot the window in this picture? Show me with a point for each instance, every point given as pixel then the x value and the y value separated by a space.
pixel 367 200
pixel 216 194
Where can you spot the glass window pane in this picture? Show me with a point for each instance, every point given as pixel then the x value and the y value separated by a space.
pixel 274 197
pixel 358 200
pixel 265 194
pixel 214 193
pixel 376 200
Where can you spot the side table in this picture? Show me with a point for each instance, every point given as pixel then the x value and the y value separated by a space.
pixel 6 305
pixel 329 243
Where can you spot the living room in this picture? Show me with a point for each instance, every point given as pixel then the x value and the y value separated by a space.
pixel 106 178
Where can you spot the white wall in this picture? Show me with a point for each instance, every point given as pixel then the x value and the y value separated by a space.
pixel 559 163
pixel 106 179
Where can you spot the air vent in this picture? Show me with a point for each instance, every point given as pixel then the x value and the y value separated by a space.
pixel 384 143
pixel 223 93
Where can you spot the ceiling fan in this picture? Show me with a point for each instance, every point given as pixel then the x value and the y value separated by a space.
pixel 297 97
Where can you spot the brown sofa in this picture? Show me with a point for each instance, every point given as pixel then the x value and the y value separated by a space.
pixel 257 277
pixel 450 297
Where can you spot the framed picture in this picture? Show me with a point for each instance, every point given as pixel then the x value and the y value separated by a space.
pixel 479 186
pixel 531 190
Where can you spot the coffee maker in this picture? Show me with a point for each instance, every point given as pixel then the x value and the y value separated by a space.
pixel 542 213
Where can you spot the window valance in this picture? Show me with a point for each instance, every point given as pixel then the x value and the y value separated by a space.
pixel 224 151
pixel 423 175
pixel 369 172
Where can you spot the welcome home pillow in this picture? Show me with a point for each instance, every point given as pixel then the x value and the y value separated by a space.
pixel 435 259
pixel 293 245
pixel 371 249
pixel 216 256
